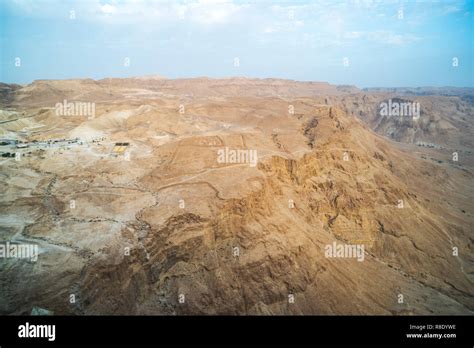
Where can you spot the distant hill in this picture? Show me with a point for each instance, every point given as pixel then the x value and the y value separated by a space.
pixel 448 91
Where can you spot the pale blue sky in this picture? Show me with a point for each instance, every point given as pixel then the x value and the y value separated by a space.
pixel 386 43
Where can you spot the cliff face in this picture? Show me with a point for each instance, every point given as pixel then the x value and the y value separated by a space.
pixel 172 230
pixel 436 121
pixel 251 254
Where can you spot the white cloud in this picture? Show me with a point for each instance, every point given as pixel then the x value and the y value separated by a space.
pixel 381 37
pixel 212 11
pixel 390 38
pixel 450 9
pixel 203 12
pixel 353 35
pixel 108 9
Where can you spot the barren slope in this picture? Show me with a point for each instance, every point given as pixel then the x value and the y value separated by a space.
pixel 232 238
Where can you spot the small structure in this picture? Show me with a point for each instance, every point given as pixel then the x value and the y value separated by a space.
pixel 41 311
pixel 119 148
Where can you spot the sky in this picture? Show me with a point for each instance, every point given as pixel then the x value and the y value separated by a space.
pixel 367 43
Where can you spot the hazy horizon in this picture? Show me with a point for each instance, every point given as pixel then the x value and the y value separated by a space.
pixel 158 76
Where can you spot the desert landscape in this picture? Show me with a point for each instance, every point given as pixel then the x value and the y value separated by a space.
pixel 187 196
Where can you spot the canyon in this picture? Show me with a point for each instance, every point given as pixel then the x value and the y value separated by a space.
pixel 133 212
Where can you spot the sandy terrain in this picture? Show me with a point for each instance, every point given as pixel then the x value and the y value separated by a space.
pixel 180 220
